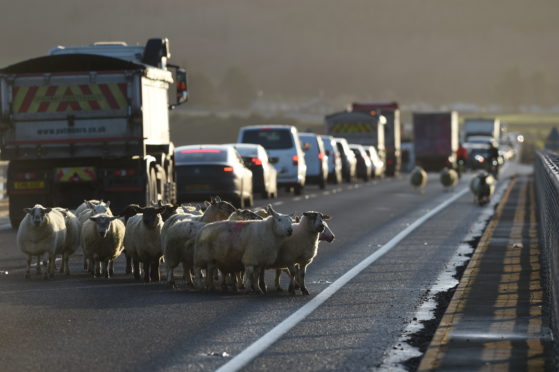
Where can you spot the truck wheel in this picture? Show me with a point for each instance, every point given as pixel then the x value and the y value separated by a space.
pixel 151 188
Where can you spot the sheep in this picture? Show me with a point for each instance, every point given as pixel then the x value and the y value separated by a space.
pixel 177 237
pixel 449 178
pixel 418 178
pixel 102 238
pixel 142 241
pixel 231 246
pixel 42 231
pixel 299 250
pixel 482 187
pixel 92 207
pixel 72 241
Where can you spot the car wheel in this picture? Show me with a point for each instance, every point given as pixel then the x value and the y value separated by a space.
pixel 322 184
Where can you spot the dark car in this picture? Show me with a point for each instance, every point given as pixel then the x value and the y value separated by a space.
pixel 364 166
pixel 203 171
pixel 264 175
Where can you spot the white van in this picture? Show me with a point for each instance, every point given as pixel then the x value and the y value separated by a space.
pixel 284 151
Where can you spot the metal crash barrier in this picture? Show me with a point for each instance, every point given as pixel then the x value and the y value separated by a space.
pixel 546 175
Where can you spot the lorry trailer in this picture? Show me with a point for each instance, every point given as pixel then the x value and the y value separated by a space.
pixel 90 122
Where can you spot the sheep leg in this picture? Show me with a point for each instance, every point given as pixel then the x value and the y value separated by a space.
pixel 262 281
pixel 136 269
pixel 51 268
pixel 301 279
pixel 155 270
pixel 277 281
pixel 210 269
pixel 128 263
pixel 28 272
pixel 39 263
pixel 105 268
pixel 65 264
pixel 224 277
pixel 146 271
pixel 170 275
pixel 239 278
pixel 252 273
pixel 96 267
pixel 111 267
pixel 293 275
pixel 187 274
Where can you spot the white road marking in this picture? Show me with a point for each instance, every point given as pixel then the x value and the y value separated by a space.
pixel 257 347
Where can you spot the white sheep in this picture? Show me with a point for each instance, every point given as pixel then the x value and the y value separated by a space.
pixel 42 231
pixel 142 241
pixel 299 250
pixel 72 241
pixel 418 178
pixel 102 239
pixel 178 233
pixel 449 178
pixel 232 246
pixel 92 207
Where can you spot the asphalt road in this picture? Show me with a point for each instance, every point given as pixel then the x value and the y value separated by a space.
pixel 81 323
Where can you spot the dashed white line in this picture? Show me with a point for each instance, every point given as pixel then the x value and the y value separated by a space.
pixel 257 347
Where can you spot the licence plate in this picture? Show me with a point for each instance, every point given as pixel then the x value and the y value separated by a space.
pixel 197 187
pixel 27 185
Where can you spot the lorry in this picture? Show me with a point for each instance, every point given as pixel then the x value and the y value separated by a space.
pixel 435 140
pixel 90 122
pixel 364 128
pixel 392 141
pixel 489 127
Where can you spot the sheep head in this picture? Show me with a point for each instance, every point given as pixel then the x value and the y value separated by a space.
pixel 37 213
pixel 282 224
pixel 103 223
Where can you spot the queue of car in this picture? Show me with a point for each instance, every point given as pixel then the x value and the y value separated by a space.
pixel 266 158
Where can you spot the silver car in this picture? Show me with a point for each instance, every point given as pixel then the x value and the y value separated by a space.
pixel 334 159
pixel 316 159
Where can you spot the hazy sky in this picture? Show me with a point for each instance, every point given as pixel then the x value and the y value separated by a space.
pixel 412 50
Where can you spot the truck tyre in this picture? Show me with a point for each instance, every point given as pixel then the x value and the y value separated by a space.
pixel 151 188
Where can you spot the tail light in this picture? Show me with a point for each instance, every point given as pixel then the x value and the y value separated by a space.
pixel 256 161
pixel 228 169
pixel 124 172
pixel 320 155
pixel 295 159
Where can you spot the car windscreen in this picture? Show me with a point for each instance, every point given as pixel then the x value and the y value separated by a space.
pixel 247 152
pixel 200 156
pixel 271 139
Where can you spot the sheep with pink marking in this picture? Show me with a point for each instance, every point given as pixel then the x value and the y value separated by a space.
pixel 232 246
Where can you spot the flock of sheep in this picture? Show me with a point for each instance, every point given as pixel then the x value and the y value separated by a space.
pixel 482 185
pixel 213 242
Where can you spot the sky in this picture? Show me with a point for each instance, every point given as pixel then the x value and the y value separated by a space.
pixel 498 51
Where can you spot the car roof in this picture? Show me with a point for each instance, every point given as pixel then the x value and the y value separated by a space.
pixel 271 126
pixel 205 146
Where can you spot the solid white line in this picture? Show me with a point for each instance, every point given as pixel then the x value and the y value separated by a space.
pixel 257 347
